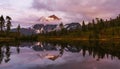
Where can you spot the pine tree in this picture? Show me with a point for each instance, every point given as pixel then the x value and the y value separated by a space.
pixel 2 23
pixel 18 28
pixel 83 26
pixel 8 25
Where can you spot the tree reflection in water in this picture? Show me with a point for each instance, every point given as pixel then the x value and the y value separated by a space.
pixel 5 51
pixel 96 49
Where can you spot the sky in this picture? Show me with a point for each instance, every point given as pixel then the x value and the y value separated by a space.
pixel 28 12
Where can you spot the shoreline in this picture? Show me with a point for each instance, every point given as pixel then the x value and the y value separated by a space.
pixel 6 39
pixel 77 39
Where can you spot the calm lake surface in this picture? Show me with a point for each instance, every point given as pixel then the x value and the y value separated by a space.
pixel 60 55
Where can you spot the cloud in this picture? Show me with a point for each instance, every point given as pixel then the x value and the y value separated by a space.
pixel 27 12
pixel 80 9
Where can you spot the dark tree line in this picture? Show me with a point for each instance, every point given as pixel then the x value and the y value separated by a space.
pixel 6 31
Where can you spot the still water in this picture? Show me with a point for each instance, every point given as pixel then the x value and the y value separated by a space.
pixel 60 55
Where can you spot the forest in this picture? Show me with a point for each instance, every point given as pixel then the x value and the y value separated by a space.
pixel 97 29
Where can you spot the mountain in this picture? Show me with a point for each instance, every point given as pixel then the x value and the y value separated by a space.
pixel 47 24
pixel 25 31
pixel 48 28
pixel 52 19
pixel 51 27
pixel 72 26
pixel 38 26
pixel 44 28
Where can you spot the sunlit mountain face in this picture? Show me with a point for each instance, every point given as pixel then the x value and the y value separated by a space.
pixel 52 19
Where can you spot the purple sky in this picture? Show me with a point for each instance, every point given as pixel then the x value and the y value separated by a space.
pixel 27 12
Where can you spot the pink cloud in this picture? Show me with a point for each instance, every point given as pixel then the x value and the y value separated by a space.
pixel 70 11
pixel 87 8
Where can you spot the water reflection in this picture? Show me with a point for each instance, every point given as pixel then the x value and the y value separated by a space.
pixel 5 54
pixel 98 50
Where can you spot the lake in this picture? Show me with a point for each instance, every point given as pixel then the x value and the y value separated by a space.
pixel 60 55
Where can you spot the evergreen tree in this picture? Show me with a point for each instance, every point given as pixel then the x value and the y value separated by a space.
pixel 83 26
pixel 18 28
pixel 94 26
pixel 8 25
pixel 2 23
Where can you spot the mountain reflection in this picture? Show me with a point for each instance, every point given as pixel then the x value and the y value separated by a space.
pixel 96 49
